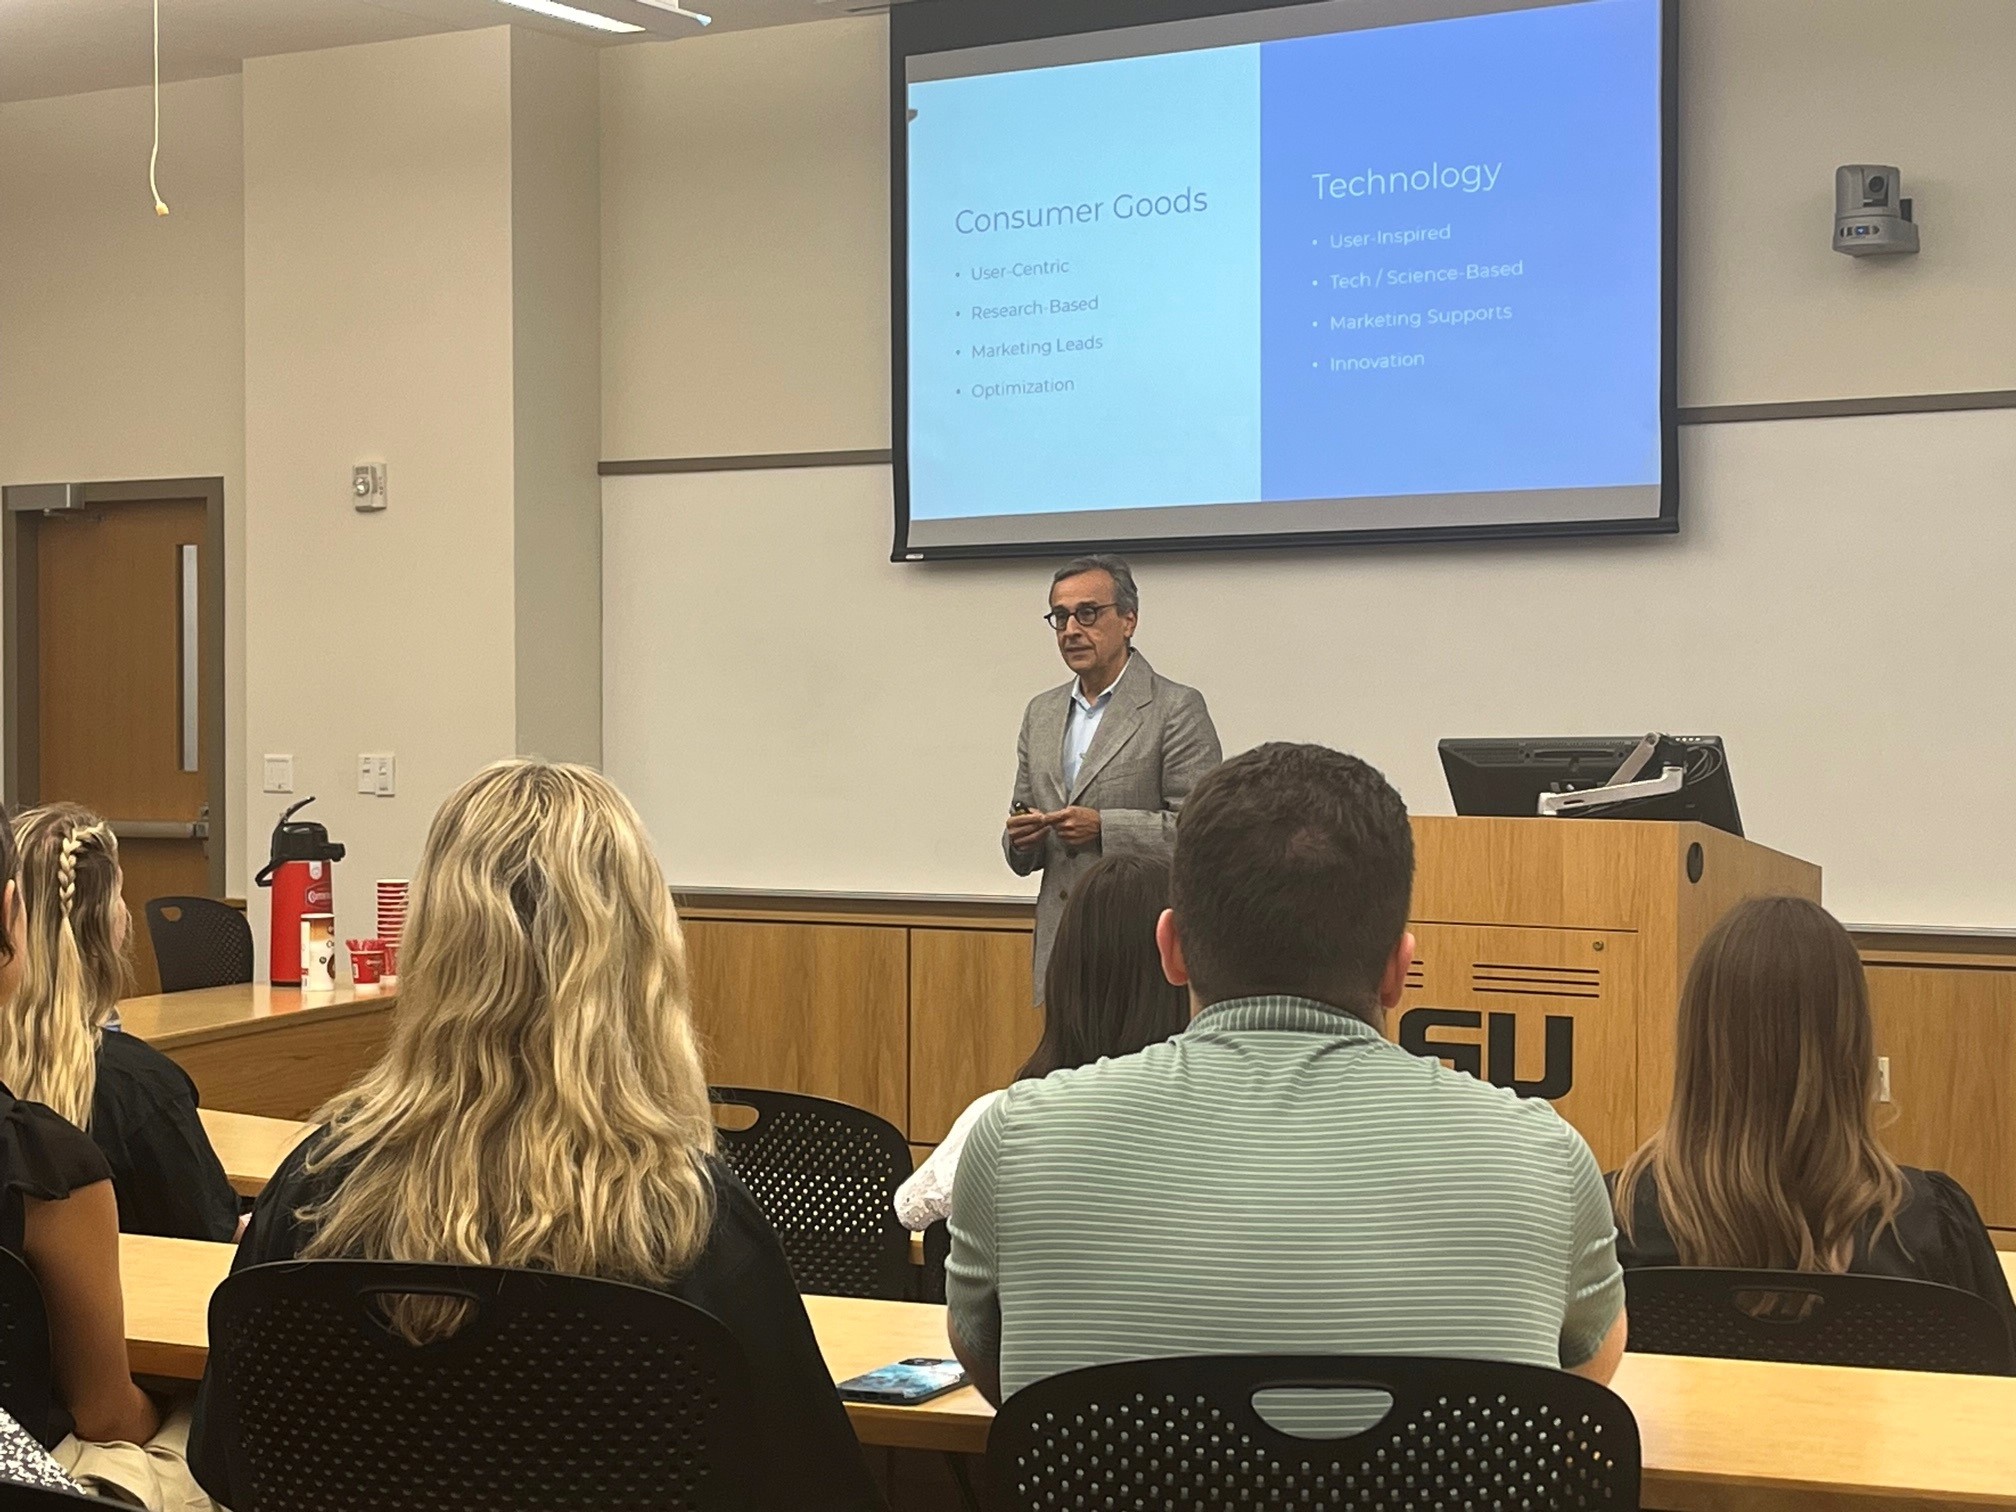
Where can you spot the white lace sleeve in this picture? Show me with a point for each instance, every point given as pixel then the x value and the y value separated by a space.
pixel 927 1195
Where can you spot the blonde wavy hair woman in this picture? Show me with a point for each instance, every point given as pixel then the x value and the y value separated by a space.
pixel 541 1102
pixel 55 1048
pixel 73 968
pixel 542 1105
pixel 1769 1158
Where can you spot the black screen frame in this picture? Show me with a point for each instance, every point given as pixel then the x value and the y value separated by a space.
pixel 930 26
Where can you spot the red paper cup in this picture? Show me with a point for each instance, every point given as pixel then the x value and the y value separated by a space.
pixel 367 962
pixel 389 950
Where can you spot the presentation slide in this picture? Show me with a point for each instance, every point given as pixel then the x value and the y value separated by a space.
pixel 1325 269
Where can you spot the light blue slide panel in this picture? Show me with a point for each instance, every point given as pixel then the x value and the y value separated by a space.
pixel 1085 286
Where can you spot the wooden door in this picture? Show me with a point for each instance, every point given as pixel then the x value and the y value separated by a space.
pixel 117 654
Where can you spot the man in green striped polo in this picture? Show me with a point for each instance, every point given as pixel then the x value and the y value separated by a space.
pixel 1280 1178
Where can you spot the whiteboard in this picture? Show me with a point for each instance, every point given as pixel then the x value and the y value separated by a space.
pixel 791 711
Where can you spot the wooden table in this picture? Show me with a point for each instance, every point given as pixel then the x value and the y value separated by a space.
pixel 1725 1434
pixel 251 1147
pixel 274 1051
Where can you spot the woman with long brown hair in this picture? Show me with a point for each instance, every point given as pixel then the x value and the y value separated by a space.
pixel 1104 994
pixel 1769 1158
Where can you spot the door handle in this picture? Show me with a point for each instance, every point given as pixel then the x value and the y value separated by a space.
pixel 189 589
pixel 159 829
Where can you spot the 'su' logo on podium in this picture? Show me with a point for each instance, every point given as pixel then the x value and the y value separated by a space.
pixel 1496 1060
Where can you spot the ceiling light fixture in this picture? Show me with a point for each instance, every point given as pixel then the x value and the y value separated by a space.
pixel 559 12
pixel 674 8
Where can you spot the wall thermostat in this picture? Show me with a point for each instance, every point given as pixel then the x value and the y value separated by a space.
pixel 1871 216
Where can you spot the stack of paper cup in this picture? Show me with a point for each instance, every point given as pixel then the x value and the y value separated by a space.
pixel 391 922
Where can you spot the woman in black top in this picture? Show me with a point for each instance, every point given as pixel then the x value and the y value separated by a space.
pixel 58 1216
pixel 1768 1159
pixel 541 1105
pixel 56 1047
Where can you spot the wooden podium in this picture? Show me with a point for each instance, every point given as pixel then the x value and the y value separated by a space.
pixel 1550 954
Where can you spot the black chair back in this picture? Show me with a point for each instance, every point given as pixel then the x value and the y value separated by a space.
pixel 1184 1435
pixel 27 1384
pixel 555 1393
pixel 825 1174
pixel 199 942
pixel 1880 1322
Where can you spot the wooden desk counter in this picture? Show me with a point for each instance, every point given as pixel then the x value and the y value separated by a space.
pixel 251 1147
pixel 1722 1434
pixel 274 1051
pixel 168 1284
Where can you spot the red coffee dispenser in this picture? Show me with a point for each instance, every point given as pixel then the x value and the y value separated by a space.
pixel 301 873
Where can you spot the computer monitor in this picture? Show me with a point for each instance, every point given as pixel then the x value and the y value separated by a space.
pixel 1507 778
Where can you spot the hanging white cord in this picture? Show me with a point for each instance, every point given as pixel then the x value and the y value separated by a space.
pixel 160 205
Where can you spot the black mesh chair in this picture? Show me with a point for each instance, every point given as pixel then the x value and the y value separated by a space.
pixel 27 1387
pixel 1184 1435
pixel 1880 1322
pixel 555 1394
pixel 199 942
pixel 825 1174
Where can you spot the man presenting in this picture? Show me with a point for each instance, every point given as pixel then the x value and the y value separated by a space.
pixel 1104 762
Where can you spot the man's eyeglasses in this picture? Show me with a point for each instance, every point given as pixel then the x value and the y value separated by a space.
pixel 1085 614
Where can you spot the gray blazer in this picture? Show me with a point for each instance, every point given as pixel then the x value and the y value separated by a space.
pixel 1154 743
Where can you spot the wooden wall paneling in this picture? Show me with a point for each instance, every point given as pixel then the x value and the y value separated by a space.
pixel 818 1008
pixel 286 1073
pixel 1950 1035
pixel 1560 1001
pixel 971 1022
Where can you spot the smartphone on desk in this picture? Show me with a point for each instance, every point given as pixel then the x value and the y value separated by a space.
pixel 906 1383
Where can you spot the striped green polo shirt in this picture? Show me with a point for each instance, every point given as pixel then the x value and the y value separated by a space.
pixel 1279 1178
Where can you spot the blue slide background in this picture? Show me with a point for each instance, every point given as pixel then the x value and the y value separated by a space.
pixel 1565 392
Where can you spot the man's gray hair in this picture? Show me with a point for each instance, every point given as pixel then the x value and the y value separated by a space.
pixel 1126 597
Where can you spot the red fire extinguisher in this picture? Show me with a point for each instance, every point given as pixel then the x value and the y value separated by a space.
pixel 301 873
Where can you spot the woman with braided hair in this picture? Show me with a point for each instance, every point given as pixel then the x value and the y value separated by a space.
pixel 58 1213
pixel 56 1048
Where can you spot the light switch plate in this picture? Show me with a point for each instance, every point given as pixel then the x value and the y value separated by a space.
pixel 279 774
pixel 387 776
pixel 367 774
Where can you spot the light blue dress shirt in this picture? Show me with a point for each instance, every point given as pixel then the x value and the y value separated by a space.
pixel 1082 723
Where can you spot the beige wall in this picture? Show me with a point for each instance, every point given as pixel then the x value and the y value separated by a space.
pixel 745 210
pixel 122 335
pixel 421 247
pixel 378 324
pixel 1830 603
pixel 745 242
pixel 556 335
pixel 1776 95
